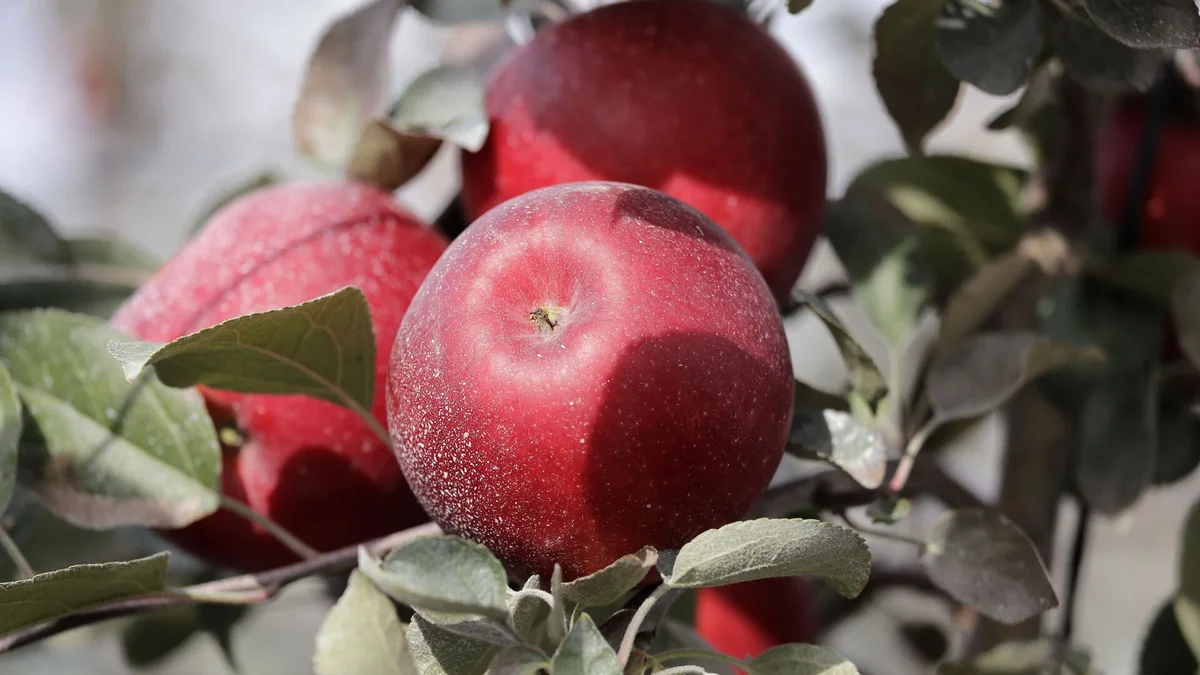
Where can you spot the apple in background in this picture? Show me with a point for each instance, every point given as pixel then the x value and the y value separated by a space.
pixel 589 369
pixel 744 620
pixel 690 98
pixel 1171 211
pixel 309 465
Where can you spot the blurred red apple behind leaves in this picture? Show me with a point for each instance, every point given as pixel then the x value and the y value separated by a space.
pixel 1170 216
pixel 589 369
pixel 690 98
pixel 309 465
pixel 744 620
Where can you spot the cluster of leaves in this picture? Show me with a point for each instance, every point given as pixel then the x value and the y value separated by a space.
pixel 468 621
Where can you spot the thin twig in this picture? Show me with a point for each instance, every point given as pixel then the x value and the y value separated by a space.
pixel 883 534
pixel 24 570
pixel 1078 550
pixel 291 541
pixel 246 588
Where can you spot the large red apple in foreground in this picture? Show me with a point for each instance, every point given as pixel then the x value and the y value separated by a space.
pixel 309 465
pixel 744 620
pixel 590 368
pixel 1170 215
pixel 691 98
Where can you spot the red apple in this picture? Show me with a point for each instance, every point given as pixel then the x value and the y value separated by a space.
pixel 590 368
pixel 1170 215
pixel 309 465
pixel 690 98
pixel 745 620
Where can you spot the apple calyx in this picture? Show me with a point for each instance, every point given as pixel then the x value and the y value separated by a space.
pixel 545 318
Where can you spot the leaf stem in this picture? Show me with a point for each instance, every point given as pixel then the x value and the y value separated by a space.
pixel 635 624
pixel 911 450
pixel 291 541
pixel 24 570
pixel 884 534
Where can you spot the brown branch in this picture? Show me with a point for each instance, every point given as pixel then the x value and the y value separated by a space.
pixel 243 589
pixel 1037 449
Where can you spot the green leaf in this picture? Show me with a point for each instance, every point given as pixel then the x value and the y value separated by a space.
pixel 808 396
pixel 446 103
pixel 842 440
pixel 797 6
pixel 992 45
pixel 324 348
pixel 1038 657
pixel 518 660
pixel 797 659
pixel 1149 23
pixel 441 574
pixel 984 560
pixel 473 626
pixel 1187 602
pixel 970 306
pixel 585 652
pixel 1099 61
pixel 528 611
pixel 1185 314
pixel 965 211
pixel 345 83
pixel 53 595
pixel 866 380
pixel 387 157
pixel 880 250
pixel 435 651
pixel 606 586
pixel 102 452
pixel 981 374
pixel 1177 452
pixel 1164 649
pixel 362 635
pixel 101 274
pixel 915 86
pixel 10 434
pixel 1118 438
pixel 27 233
pixel 112 252
pixel 763 548
pixel 150 638
pixel 1151 274
pixel 889 510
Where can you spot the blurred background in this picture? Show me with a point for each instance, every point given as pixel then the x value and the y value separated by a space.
pixel 132 116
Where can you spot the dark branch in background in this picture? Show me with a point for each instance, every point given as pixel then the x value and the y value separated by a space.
pixel 243 589
pixel 1157 113
pixel 1078 550
pixel 1037 448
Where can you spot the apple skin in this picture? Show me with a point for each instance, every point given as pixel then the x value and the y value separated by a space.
pixel 1171 211
pixel 690 98
pixel 307 464
pixel 656 407
pixel 744 620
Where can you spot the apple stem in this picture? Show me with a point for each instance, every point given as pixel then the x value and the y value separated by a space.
pixel 545 318
pixel 291 541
